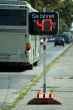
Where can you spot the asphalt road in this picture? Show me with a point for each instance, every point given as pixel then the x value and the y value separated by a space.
pixel 12 82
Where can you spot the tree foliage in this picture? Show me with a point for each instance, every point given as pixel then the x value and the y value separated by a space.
pixel 67 11
pixel 64 7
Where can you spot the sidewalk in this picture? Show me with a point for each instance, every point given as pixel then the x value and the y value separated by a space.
pixel 60 80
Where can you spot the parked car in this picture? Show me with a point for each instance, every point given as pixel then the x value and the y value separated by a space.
pixel 51 39
pixel 67 38
pixel 41 40
pixel 59 41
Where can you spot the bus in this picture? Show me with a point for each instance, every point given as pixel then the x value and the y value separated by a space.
pixel 17 46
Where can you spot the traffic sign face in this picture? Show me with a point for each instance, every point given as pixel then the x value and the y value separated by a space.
pixel 43 23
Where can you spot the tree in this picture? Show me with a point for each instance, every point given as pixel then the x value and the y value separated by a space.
pixel 65 8
pixel 37 4
pixel 66 11
pixel 50 4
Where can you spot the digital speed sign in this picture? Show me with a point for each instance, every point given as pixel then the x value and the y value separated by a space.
pixel 43 23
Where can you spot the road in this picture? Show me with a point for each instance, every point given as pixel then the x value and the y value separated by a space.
pixel 12 82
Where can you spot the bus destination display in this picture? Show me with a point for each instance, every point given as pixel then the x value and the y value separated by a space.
pixel 43 23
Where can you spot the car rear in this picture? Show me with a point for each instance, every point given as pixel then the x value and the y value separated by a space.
pixel 59 41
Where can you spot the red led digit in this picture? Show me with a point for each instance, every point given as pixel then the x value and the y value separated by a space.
pixel 50 21
pixel 40 24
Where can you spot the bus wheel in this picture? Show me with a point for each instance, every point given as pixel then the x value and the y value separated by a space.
pixel 30 67
pixel 36 63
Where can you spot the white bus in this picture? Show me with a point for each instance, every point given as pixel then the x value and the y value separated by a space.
pixel 17 47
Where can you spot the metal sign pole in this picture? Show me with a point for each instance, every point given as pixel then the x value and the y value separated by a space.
pixel 44 64
pixel 44 61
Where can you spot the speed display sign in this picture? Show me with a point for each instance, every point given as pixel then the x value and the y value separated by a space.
pixel 43 23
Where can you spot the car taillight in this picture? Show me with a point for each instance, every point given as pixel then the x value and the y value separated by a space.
pixel 28 46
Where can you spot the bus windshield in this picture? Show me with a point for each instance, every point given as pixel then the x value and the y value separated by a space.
pixel 13 17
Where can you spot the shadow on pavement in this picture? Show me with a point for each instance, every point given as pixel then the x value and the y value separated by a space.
pixel 9 68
